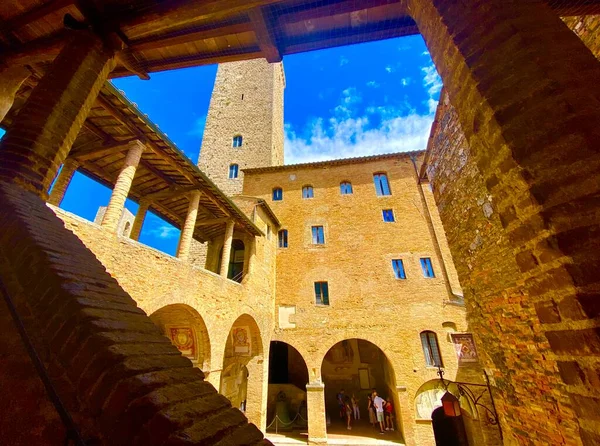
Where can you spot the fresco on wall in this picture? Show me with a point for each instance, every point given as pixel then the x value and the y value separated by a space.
pixel 183 338
pixel 465 348
pixel 241 341
pixel 341 353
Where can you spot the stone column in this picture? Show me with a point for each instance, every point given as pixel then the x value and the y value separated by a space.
pixel 140 216
pixel 61 184
pixel 187 232
pixel 227 248
pixel 214 377
pixel 114 210
pixel 315 406
pixel 11 79
pixel 527 94
pixel 406 420
pixel 257 391
pixel 41 135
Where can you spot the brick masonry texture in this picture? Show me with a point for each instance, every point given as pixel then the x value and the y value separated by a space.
pixel 508 227
pixel 366 301
pixel 117 375
pixel 258 118
pixel 163 285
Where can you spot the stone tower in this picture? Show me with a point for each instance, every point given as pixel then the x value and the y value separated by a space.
pixel 246 102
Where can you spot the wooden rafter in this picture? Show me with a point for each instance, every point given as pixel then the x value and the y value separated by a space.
pixel 33 14
pixel 187 36
pixel 170 192
pixel 212 221
pixel 265 35
pixel 98 151
pixel 298 14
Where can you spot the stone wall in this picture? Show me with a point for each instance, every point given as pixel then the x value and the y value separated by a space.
pixel 366 301
pixel 247 100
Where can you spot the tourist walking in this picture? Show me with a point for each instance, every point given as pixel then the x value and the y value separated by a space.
pixel 378 402
pixel 355 408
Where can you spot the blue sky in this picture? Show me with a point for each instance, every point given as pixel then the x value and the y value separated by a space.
pixel 349 101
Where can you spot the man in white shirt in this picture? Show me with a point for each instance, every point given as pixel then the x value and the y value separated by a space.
pixel 379 402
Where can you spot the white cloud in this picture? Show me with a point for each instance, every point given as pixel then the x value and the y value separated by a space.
pixel 165 231
pixel 405 81
pixel 433 84
pixel 373 84
pixel 353 136
pixel 390 69
pixel 343 61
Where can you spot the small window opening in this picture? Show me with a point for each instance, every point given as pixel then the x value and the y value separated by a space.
pixel 431 349
pixel 382 186
pixel 388 215
pixel 398 266
pixel 277 194
pixel 242 96
pixel 283 238
pixel 233 171
pixel 427 267
pixel 237 141
pixel 318 235
pixel 307 192
pixel 321 293
pixel 346 188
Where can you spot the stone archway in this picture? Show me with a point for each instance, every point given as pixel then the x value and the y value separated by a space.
pixel 186 329
pixel 357 366
pixel 243 378
pixel 288 377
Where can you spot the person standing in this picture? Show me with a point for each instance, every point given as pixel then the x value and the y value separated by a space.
pixel 340 399
pixel 371 410
pixel 389 415
pixel 379 402
pixel 348 412
pixel 355 408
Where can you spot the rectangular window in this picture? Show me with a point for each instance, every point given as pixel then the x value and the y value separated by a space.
pixel 277 194
pixel 321 293
pixel 307 192
pixel 388 215
pixel 398 266
pixel 283 238
pixel 427 267
pixel 318 236
pixel 233 171
pixel 382 186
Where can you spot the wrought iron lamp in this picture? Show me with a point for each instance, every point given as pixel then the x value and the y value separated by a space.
pixel 451 405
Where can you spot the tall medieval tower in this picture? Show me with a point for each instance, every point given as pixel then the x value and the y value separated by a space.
pixel 244 126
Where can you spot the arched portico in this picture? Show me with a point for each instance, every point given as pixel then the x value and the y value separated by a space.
pixel 244 374
pixel 186 329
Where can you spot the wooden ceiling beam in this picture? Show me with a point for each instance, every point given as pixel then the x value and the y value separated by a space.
pixel 582 7
pixel 212 221
pixel 189 35
pixel 38 50
pixel 155 171
pixel 265 34
pixel 33 14
pixel 178 13
pixel 171 192
pixel 194 61
pixel 104 149
pixel 299 14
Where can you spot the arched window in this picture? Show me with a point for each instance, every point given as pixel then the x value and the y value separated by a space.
pixel 431 349
pixel 237 139
pixel 346 188
pixel 283 238
pixel 233 171
pixel 382 187
pixel 126 229
pixel 307 192
pixel 277 194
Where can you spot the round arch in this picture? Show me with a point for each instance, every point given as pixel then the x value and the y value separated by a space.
pixel 186 329
pixel 428 398
pixel 358 366
pixel 243 344
pixel 288 377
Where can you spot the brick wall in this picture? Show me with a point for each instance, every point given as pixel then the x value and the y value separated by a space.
pixel 366 301
pixel 122 381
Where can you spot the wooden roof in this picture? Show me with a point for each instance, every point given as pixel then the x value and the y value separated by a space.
pixel 164 176
pixel 156 35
